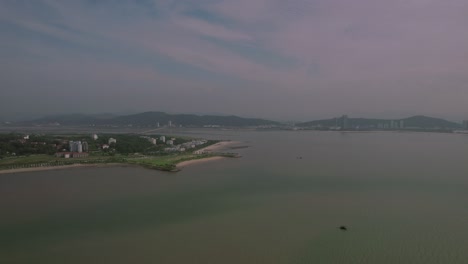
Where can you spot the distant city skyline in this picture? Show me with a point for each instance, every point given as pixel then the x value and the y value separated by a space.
pixel 292 60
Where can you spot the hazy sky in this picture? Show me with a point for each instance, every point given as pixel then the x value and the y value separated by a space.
pixel 277 59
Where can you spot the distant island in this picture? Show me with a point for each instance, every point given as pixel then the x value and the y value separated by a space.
pixel 414 123
pixel 159 120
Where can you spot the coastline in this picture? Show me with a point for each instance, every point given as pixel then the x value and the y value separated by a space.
pixel 179 166
pixel 212 149
pixel 97 165
pixel 219 146
pixel 187 163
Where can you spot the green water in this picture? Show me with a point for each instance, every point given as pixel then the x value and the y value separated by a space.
pixel 403 197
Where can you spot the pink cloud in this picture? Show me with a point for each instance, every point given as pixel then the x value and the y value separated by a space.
pixel 200 27
pixel 347 39
pixel 371 47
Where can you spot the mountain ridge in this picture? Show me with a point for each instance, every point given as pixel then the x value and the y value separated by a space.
pixel 417 121
pixel 153 118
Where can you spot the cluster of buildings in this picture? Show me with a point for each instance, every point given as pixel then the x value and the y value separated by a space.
pixel 169 124
pixel 77 149
pixel 110 141
pixel 393 124
pixel 78 146
pixel 167 141
pixel 342 122
pixel 80 149
pixel 345 123
pixel 464 129
pixel 171 141
pixel 185 146
pixel 153 141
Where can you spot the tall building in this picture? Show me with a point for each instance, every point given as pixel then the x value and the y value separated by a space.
pixel 94 136
pixel 402 124
pixel 345 122
pixel 85 146
pixel 163 139
pixel 79 146
pixel 75 146
pixel 170 123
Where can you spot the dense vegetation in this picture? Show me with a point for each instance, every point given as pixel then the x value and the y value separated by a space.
pixel 14 144
pixel 21 151
pixel 127 143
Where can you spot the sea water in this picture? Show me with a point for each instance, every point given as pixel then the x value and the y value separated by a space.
pixel 402 196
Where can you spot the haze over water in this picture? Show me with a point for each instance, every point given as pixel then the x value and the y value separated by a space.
pixel 402 196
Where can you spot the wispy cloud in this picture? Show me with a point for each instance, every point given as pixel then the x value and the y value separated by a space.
pixel 299 49
pixel 203 28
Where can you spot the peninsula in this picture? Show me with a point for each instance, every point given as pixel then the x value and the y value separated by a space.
pixel 19 152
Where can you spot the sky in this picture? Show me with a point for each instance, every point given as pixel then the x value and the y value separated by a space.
pixel 283 60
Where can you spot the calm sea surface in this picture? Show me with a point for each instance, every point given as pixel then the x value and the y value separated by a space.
pixel 403 197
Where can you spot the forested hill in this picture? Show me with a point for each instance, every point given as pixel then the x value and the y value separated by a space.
pixel 420 121
pixel 429 122
pixel 152 119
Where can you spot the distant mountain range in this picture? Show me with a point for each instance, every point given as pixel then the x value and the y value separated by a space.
pixel 151 119
pixel 420 121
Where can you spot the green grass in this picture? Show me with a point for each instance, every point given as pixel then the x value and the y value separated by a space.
pixel 166 163
pixel 43 158
pixel 27 159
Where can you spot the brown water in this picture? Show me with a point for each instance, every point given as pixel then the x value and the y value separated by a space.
pixel 403 197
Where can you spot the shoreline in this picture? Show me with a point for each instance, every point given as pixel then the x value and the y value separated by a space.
pixel 219 146
pixel 48 168
pixel 209 149
pixel 187 163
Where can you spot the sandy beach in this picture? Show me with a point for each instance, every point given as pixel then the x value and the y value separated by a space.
pixel 219 146
pixel 197 161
